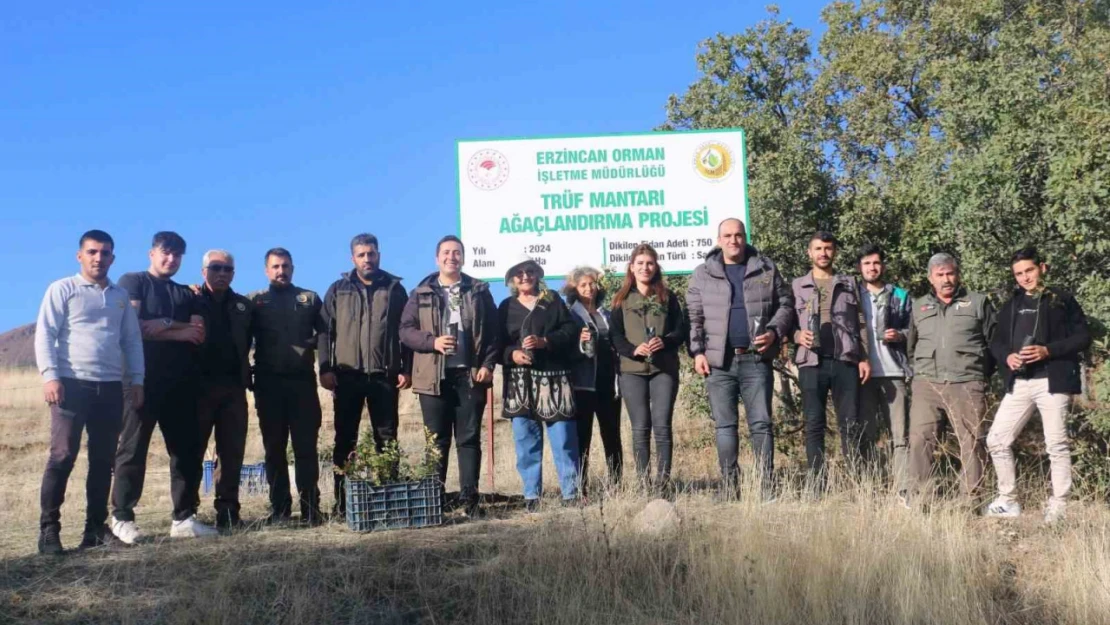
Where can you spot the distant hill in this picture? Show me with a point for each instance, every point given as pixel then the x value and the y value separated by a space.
pixel 17 347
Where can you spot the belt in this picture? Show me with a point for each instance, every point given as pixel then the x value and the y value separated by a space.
pixel 97 386
pixel 740 351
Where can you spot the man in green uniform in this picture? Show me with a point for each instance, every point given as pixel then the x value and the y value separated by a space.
pixel 949 343
pixel 285 322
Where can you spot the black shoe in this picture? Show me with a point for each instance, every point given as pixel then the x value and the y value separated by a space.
pixel 573 502
pixel 278 519
pixel 665 489
pixel 471 507
pixel 98 537
pixel 313 519
pixel 531 505
pixel 50 543
pixel 228 521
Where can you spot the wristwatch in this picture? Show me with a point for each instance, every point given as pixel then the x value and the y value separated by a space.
pixel 167 322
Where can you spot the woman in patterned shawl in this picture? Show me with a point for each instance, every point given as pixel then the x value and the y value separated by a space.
pixel 538 337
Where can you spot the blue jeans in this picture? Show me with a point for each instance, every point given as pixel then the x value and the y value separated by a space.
pixel 745 377
pixel 528 436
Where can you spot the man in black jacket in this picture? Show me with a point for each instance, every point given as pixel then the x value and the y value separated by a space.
pixel 1039 336
pixel 361 356
pixel 224 378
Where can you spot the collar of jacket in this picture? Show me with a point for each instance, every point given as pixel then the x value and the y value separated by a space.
pixel 382 276
pixel 1045 290
pixel 715 261
pixel 863 290
pixel 580 311
pixel 961 294
pixel 229 297
pixel 842 279
pixel 431 283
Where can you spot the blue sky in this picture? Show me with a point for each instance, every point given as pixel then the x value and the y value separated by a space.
pixel 302 124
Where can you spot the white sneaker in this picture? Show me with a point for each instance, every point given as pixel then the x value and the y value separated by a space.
pixel 1004 508
pixel 192 528
pixel 1054 512
pixel 126 531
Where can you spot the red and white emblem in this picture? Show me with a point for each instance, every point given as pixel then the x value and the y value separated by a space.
pixel 488 169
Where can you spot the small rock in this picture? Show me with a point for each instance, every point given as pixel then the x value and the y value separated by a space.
pixel 659 516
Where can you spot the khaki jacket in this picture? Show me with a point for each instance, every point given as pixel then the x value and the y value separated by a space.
pixel 951 342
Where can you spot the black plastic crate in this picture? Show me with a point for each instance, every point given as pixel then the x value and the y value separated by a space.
pixel 394 506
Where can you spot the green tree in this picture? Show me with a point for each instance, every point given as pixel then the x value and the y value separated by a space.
pixel 932 125
pixel 761 80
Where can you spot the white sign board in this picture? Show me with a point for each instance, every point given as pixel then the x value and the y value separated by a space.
pixel 569 201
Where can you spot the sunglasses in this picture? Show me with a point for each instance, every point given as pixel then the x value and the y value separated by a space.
pixel 221 268
pixel 524 272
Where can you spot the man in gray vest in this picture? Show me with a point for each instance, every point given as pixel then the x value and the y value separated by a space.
pixel 740 309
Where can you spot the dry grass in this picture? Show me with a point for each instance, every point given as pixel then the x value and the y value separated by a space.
pixel 853 557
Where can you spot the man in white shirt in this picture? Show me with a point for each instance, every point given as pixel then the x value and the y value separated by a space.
pixel 884 402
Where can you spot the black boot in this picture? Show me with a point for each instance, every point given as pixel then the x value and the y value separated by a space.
pixel 97 537
pixel 50 543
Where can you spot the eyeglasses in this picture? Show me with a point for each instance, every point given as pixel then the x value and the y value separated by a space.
pixel 524 272
pixel 221 268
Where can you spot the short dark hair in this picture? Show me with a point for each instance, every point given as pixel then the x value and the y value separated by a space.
pixel 824 236
pixel 280 252
pixel 96 235
pixel 364 239
pixel 169 241
pixel 1026 253
pixel 870 249
pixel 448 239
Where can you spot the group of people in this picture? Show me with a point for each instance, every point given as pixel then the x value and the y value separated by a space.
pixel 119 358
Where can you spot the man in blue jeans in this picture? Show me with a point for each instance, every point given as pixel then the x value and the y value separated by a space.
pixel 740 308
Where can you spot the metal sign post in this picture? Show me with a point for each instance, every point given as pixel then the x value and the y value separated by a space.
pixel 489 439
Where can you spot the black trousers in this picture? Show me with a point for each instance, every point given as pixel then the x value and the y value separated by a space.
pixel 172 406
pixel 97 407
pixel 603 404
pixel 378 393
pixel 842 380
pixel 289 410
pixel 457 410
pixel 222 408
pixel 649 401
